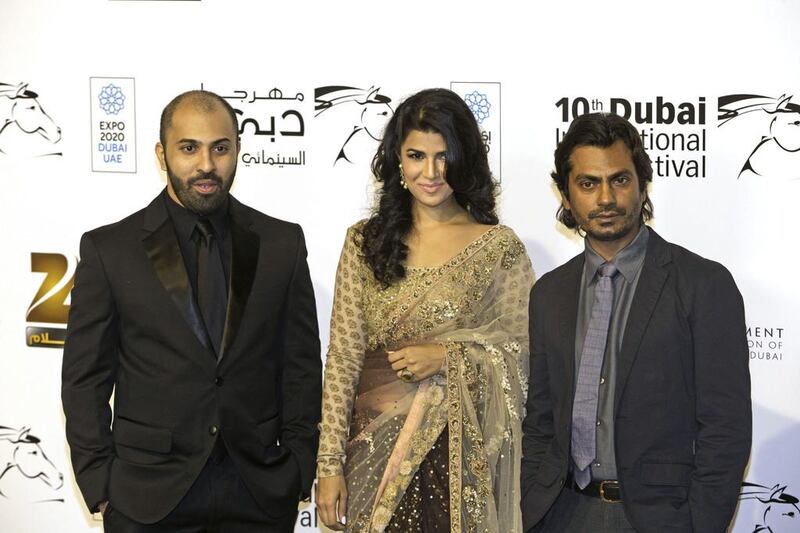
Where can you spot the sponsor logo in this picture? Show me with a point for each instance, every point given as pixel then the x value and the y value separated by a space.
pixel 766 343
pixel 781 512
pixel 113 112
pixel 26 474
pixel 359 116
pixel 483 99
pixel 271 126
pixel 307 513
pixel 112 99
pixel 673 133
pixel 774 125
pixel 479 104
pixel 49 304
pixel 26 130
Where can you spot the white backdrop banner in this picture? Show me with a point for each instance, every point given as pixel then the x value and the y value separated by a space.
pixel 709 85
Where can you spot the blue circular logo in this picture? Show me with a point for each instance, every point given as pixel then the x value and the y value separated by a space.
pixel 112 101
pixel 479 105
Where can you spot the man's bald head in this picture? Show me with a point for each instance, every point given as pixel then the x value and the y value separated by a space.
pixel 202 101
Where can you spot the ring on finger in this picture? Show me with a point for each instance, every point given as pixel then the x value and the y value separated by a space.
pixel 406 375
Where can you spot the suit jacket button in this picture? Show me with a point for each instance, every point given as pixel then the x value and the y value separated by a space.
pixel 561 481
pixel 218 381
pixel 213 430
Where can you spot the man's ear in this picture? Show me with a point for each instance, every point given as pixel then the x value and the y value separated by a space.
pixel 564 200
pixel 162 158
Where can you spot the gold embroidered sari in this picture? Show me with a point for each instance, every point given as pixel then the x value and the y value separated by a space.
pixel 377 430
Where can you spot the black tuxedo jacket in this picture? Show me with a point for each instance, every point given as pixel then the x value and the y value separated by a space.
pixel 134 328
pixel 682 405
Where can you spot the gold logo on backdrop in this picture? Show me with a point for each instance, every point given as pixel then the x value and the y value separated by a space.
pixel 49 305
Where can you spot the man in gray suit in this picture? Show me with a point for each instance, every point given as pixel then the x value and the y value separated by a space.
pixel 638 413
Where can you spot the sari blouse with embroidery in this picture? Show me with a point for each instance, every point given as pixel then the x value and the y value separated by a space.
pixel 376 429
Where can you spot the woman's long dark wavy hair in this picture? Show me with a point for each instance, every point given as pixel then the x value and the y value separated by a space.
pixel 466 172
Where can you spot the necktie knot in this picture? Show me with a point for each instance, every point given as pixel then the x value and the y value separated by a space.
pixel 204 229
pixel 608 270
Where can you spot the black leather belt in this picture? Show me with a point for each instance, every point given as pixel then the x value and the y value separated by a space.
pixel 608 490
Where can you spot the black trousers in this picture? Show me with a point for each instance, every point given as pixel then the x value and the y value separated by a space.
pixel 573 512
pixel 217 502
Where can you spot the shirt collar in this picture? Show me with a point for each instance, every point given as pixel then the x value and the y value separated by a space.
pixel 185 220
pixel 628 260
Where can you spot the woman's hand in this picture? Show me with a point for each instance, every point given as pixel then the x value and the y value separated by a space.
pixel 332 501
pixel 422 360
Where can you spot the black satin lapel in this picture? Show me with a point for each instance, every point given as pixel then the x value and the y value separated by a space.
pixel 162 248
pixel 651 283
pixel 244 261
pixel 568 317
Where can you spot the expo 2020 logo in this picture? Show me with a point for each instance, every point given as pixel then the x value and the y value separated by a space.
pixel 112 99
pixel 479 104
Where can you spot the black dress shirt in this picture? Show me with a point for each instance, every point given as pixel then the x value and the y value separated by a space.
pixel 185 221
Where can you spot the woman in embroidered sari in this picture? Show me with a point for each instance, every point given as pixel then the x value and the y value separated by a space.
pixel 426 373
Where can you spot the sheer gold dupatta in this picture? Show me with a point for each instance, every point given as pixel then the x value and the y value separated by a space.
pixel 476 305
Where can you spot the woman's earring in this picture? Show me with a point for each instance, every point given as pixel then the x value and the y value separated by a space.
pixel 403 183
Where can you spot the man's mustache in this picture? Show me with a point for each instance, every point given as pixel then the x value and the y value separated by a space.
pixel 207 176
pixel 608 210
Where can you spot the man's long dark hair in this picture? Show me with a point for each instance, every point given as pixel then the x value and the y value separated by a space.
pixel 601 130
pixel 466 172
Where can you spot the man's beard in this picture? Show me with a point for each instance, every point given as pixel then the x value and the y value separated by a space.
pixel 202 204
pixel 630 221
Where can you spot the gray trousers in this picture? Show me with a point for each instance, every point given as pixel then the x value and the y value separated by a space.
pixel 573 512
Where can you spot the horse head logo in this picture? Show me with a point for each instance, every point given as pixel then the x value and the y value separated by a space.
pixel 785 125
pixel 781 511
pixel 21 450
pixel 372 107
pixel 20 107
pixel 778 152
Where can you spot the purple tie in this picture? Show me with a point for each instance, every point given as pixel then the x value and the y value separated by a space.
pixel 584 407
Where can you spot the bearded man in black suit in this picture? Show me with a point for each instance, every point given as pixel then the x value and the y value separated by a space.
pixel 198 312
